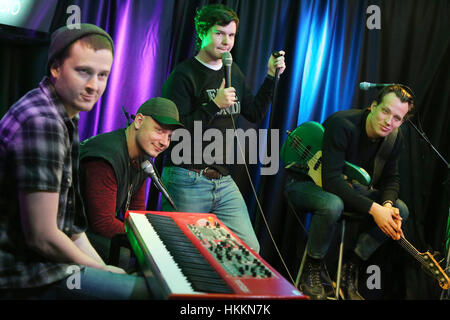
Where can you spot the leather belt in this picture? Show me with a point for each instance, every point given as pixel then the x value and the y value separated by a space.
pixel 208 173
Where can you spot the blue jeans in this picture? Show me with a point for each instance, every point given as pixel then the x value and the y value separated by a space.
pixel 326 209
pixel 193 192
pixel 90 284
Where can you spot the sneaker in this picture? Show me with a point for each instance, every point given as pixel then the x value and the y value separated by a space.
pixel 349 282
pixel 311 281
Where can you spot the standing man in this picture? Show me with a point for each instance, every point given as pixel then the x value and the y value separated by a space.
pixel 112 180
pixel 354 136
pixel 42 219
pixel 197 86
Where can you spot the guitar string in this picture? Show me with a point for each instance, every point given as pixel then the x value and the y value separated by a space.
pixel 408 244
pixel 410 248
pixel 304 150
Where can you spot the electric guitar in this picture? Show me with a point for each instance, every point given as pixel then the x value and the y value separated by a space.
pixel 302 150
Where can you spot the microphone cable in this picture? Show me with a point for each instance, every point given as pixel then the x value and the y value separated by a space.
pixel 258 203
pixel 253 187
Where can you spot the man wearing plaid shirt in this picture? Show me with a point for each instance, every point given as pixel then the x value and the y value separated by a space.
pixel 42 220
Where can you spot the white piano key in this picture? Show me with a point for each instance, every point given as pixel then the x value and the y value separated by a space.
pixel 169 269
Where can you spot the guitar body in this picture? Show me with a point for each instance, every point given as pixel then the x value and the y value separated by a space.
pixel 303 149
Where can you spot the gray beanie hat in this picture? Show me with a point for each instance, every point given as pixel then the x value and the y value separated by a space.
pixel 63 37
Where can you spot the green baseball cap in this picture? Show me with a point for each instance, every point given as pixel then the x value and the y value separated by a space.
pixel 161 110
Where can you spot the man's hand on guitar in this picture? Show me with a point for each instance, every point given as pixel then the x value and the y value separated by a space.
pixel 388 219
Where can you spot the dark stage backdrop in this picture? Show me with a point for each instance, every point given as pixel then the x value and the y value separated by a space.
pixel 329 50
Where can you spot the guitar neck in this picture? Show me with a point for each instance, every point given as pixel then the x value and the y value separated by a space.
pixel 411 249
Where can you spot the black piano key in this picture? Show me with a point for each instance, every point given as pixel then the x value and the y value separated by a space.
pixel 198 271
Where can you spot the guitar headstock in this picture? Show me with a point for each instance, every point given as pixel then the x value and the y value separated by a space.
pixel 433 267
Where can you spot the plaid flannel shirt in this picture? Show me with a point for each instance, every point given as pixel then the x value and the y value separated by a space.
pixel 38 152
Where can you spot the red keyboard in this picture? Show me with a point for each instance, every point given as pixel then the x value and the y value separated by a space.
pixel 194 255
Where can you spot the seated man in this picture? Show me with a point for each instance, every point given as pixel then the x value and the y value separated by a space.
pixel 354 136
pixel 110 174
pixel 44 251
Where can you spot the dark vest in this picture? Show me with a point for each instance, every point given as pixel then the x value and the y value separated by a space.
pixel 112 147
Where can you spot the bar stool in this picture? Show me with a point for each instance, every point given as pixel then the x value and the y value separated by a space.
pixel 345 217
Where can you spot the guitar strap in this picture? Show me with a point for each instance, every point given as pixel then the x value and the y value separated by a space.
pixel 382 156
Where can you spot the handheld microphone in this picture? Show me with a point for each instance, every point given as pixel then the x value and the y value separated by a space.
pixel 276 54
pixel 227 61
pixel 148 169
pixel 367 85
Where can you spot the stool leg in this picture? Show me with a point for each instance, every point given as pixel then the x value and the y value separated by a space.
pixel 341 253
pixel 300 270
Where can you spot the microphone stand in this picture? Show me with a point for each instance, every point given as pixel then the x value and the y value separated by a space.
pixel 275 90
pixel 262 181
pixel 127 115
pixel 425 138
